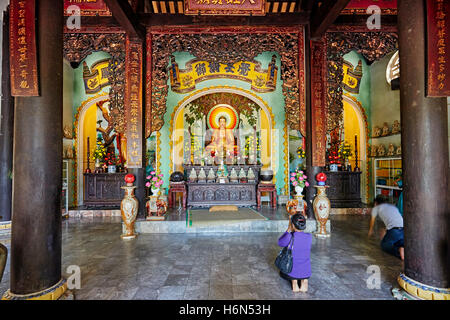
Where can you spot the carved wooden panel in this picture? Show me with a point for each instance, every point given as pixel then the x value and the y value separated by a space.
pixel 77 46
pixel 372 45
pixel 103 189
pixel 209 194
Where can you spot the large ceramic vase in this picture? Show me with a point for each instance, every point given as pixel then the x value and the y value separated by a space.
pixel 321 206
pixel 129 210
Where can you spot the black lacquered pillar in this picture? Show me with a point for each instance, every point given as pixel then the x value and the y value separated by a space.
pixel 36 220
pixel 7 128
pixel 425 163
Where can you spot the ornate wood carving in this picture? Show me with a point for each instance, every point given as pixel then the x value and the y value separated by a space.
pixel 372 45
pixel 226 47
pixel 77 46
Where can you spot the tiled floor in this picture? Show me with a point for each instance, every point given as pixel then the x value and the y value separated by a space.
pixel 218 266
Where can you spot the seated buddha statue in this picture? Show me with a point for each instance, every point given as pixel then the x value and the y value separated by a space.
pixel 222 142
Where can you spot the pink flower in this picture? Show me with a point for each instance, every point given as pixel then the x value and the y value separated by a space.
pixel 301 178
pixel 292 179
pixel 147 184
pixel 149 177
pixel 153 172
pixel 304 177
pixel 293 174
pixel 306 183
pixel 154 179
pixel 161 175
pixel 294 183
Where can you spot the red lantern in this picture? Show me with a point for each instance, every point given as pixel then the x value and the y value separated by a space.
pixel 129 179
pixel 321 177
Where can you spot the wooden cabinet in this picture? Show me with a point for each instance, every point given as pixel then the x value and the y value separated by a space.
pixel 103 189
pixel 345 189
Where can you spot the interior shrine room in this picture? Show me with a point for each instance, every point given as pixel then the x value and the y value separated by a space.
pixel 168 150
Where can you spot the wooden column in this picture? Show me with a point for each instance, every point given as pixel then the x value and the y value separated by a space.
pixel 311 169
pixel 7 128
pixel 36 220
pixel 425 157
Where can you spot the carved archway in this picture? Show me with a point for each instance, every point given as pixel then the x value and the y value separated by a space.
pixel 229 46
pixel 371 45
pixel 77 46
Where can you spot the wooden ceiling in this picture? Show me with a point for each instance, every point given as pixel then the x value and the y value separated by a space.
pixel 134 16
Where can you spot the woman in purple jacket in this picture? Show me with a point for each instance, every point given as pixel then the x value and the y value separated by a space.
pixel 301 249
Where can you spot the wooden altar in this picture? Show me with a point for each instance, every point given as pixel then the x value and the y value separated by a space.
pixel 103 189
pixel 345 189
pixel 206 194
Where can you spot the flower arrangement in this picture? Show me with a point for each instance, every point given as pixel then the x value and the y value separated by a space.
pixel 154 181
pixel 99 151
pixel 345 150
pixel 110 159
pixel 301 153
pixel 298 179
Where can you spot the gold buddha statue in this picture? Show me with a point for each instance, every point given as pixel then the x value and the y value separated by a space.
pixel 222 141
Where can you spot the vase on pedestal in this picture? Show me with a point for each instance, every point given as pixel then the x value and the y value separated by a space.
pixel 112 169
pixel 321 206
pixel 298 190
pixel 155 192
pixel 129 209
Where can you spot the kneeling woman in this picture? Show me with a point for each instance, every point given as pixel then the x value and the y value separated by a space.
pixel 301 249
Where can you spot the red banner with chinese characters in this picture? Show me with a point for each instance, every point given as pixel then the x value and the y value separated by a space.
pixel 88 7
pixel 225 7
pixel 438 55
pixel 22 39
pixel 318 101
pixel 133 103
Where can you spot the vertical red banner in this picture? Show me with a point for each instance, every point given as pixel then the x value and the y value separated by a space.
pixel 318 101
pixel 438 48
pixel 133 103
pixel 23 60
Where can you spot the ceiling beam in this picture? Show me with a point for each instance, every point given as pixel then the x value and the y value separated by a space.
pixel 272 19
pixel 125 16
pixel 324 14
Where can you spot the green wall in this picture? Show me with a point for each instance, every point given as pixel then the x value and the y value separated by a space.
pixel 79 92
pixel 275 100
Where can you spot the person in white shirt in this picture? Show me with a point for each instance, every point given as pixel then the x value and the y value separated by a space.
pixel 392 241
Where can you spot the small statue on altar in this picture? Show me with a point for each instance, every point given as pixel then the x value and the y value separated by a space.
pixel 211 176
pixel 386 130
pixel 250 175
pixel 398 152
pixel 202 176
pixel 381 150
pixel 193 175
pixel 222 142
pixel 373 151
pixel 377 131
pixel 222 173
pixel 233 176
pixel 396 127
pixel 391 150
